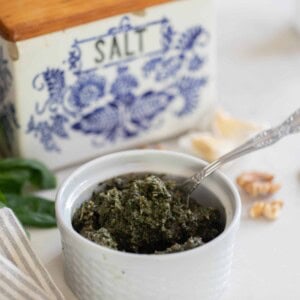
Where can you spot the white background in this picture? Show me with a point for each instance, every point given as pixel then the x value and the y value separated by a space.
pixel 258 78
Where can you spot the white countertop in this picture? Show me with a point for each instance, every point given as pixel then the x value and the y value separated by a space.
pixel 258 78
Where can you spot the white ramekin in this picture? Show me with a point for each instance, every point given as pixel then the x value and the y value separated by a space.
pixel 96 272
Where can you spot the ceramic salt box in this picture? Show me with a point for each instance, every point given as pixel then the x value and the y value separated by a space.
pixel 83 78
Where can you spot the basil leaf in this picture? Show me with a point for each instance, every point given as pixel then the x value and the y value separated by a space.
pixel 19 171
pixel 32 210
pixel 3 200
pixel 13 181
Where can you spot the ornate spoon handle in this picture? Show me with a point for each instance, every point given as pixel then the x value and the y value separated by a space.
pixel 263 139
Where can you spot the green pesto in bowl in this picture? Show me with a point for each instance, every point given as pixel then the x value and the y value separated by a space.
pixel 148 214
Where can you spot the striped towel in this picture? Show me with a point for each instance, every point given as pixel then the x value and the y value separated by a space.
pixel 22 275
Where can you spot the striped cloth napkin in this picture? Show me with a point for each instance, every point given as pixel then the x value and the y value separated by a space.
pixel 22 275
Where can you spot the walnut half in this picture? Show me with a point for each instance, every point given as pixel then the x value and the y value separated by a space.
pixel 258 183
pixel 269 210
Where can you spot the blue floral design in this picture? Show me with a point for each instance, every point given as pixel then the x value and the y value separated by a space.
pixel 8 121
pixel 167 36
pixel 188 88
pixel 185 45
pixel 189 38
pixel 46 131
pixel 123 87
pixel 5 77
pixel 148 107
pixel 57 127
pixel 196 63
pixel 54 81
pixel 123 84
pixel 103 120
pixel 169 67
pixel 88 88
pixel 74 58
pixel 8 124
pixel 113 109
pixel 151 65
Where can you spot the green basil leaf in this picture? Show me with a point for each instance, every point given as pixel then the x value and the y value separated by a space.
pixel 32 210
pixel 13 181
pixel 3 200
pixel 37 173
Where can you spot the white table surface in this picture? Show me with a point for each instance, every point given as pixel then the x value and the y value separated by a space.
pixel 258 78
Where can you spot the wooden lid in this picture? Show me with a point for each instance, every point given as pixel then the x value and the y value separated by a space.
pixel 23 19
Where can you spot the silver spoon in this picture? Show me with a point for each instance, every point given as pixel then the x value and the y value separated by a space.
pixel 261 140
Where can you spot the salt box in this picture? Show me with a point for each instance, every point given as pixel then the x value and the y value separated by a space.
pixel 83 78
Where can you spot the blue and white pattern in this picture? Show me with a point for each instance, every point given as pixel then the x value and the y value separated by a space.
pixel 8 122
pixel 84 101
pixel 5 77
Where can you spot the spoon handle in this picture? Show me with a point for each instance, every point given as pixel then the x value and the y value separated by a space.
pixel 263 139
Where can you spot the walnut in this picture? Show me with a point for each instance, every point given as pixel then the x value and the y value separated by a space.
pixel 269 210
pixel 272 209
pixel 258 183
pixel 257 209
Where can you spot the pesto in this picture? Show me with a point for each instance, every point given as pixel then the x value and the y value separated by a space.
pixel 146 213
